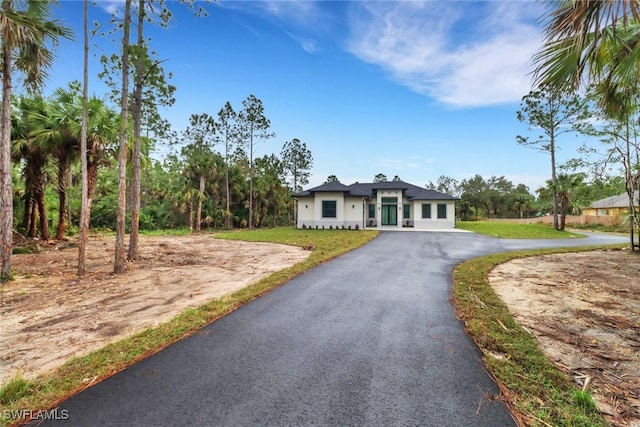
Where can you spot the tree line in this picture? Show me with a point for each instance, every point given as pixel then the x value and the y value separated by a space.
pixel 588 49
pixel 90 157
pixel 203 183
pixel 498 197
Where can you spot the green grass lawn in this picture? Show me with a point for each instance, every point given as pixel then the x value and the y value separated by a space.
pixel 508 230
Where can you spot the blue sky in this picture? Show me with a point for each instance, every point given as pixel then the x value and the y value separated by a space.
pixel 408 88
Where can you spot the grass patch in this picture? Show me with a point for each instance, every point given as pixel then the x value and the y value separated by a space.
pixel 537 391
pixel 584 399
pixel 507 230
pixel 49 390
pixel 15 390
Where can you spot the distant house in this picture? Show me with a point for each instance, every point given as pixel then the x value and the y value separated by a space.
pixel 381 205
pixel 613 206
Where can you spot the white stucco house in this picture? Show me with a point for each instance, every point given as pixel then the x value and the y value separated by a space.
pixel 380 205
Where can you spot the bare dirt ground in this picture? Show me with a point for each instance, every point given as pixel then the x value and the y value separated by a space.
pixel 584 309
pixel 48 314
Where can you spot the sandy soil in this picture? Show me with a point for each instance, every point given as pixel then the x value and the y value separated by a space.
pixel 48 314
pixel 584 309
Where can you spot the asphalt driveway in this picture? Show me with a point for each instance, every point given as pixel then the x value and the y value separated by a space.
pixel 369 338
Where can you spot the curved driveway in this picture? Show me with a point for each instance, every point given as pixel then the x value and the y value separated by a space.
pixel 369 338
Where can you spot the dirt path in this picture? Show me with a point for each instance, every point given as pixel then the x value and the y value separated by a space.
pixel 584 308
pixel 49 315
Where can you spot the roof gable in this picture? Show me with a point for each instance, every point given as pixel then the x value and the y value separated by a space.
pixel 370 189
pixel 330 187
pixel 410 191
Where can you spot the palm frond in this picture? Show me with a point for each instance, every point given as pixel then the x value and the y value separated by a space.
pixel 579 35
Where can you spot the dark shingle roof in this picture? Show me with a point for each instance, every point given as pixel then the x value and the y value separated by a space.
pixel 369 189
pixel 410 191
pixel 328 187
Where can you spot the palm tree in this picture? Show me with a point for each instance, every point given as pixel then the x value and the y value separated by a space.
pixel 103 126
pixel 183 201
pixel 589 41
pixel 595 43
pixel 52 129
pixel 567 186
pixel 522 200
pixel 35 160
pixel 24 35
pixel 202 168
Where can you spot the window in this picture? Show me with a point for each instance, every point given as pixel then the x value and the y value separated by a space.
pixel 372 210
pixel 442 211
pixel 426 210
pixel 389 200
pixel 328 209
pixel 407 211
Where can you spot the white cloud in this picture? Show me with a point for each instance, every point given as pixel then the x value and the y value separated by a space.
pixel 293 16
pixel 308 44
pixel 465 54
pixel 298 11
pixel 113 7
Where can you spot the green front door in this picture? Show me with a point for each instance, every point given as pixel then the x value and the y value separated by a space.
pixel 389 214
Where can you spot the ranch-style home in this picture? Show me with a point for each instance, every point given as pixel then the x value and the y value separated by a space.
pixel 380 205
pixel 612 206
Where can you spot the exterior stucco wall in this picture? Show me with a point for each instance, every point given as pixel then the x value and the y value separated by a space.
pixel 352 211
pixel 434 223
pixel 616 211
pixel 306 210
pixel 349 211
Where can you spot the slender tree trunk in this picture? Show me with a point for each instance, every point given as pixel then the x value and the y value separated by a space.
pixel 295 206
pixel 42 212
pixel 6 186
pixel 227 214
pixel 554 181
pixel 191 217
pixel 631 219
pixel 119 265
pixel 63 170
pixel 630 185
pixel 630 191
pixel 137 130
pixel 86 206
pixel 33 219
pixel 199 208
pixel 26 216
pixel 251 179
